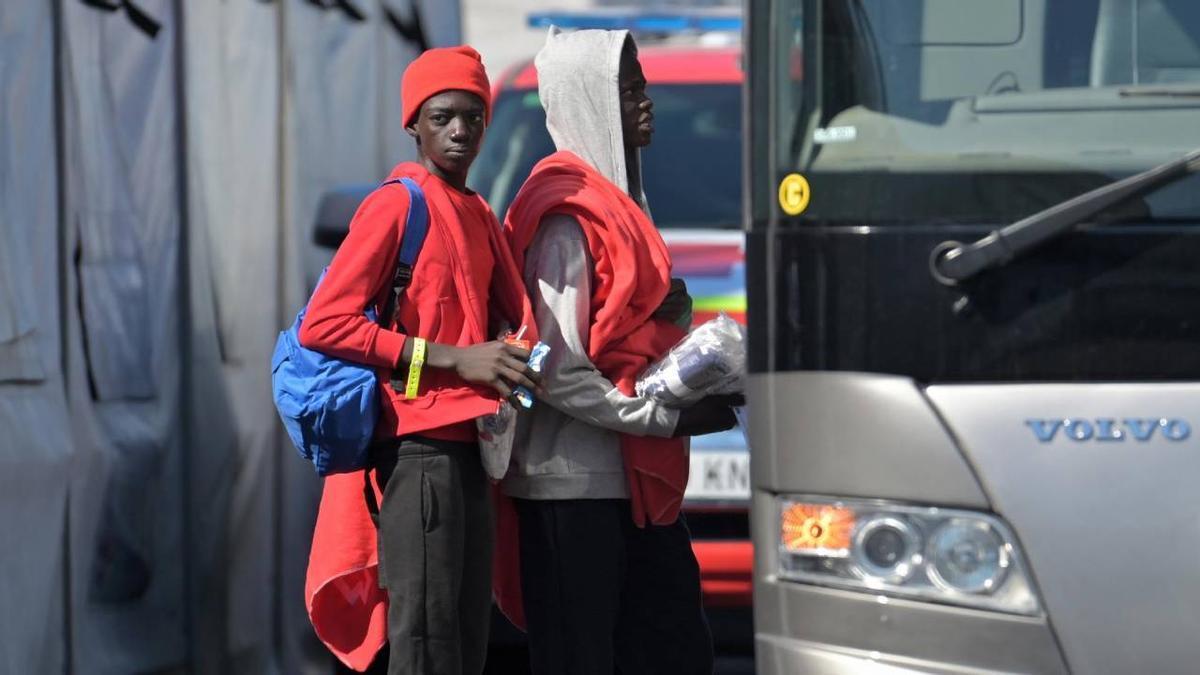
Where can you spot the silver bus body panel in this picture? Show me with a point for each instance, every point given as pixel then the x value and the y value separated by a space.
pixel 854 435
pixel 781 656
pixel 1106 514
pixel 1109 522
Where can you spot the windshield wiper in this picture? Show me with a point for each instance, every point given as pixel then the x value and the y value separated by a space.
pixel 952 262
pixel 1151 92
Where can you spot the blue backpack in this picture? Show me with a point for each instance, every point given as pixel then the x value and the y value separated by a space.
pixel 329 406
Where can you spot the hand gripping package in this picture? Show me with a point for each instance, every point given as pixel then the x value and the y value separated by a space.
pixel 497 432
pixel 710 360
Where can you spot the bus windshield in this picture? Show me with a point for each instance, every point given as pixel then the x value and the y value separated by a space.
pixel 984 111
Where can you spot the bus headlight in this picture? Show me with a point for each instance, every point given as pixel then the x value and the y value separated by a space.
pixel 925 553
pixel 967 556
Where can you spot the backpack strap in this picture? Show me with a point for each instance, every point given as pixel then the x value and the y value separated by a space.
pixel 416 226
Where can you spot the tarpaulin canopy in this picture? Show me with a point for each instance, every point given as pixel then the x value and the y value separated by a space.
pixel 161 162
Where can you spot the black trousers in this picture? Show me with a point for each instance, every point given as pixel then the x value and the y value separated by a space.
pixel 604 596
pixel 435 556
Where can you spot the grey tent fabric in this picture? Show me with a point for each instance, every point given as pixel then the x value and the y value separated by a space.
pixel 26 178
pixel 145 472
pixel 232 91
pixel 122 240
pixel 19 357
pixel 35 450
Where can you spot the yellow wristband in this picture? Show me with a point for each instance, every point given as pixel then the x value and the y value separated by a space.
pixel 414 368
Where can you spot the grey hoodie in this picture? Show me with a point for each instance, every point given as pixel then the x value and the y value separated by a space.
pixel 568 447
pixel 577 84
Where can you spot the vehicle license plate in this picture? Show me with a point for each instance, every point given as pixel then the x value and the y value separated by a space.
pixel 719 475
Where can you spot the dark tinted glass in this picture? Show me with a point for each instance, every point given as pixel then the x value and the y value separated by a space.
pixel 922 121
pixel 1108 304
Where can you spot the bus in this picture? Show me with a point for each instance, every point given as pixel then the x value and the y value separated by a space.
pixel 973 287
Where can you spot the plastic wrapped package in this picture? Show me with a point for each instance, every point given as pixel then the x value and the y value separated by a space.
pixel 497 432
pixel 537 357
pixel 710 360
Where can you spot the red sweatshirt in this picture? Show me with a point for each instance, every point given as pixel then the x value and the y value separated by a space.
pixel 463 276
pixel 446 302
pixel 632 275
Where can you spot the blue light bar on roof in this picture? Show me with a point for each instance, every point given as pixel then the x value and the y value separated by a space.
pixel 640 21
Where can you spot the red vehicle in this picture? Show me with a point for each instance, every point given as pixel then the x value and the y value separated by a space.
pixel 693 179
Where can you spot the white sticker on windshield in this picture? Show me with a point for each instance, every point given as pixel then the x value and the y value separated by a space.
pixel 835 135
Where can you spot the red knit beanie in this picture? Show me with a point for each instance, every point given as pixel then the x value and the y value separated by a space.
pixel 444 69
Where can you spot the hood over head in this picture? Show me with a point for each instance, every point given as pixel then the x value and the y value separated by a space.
pixel 578 85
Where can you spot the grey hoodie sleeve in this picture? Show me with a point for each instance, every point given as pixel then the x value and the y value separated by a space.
pixel 558 275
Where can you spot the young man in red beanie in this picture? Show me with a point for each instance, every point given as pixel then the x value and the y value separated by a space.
pixel 434 523
pixel 598 474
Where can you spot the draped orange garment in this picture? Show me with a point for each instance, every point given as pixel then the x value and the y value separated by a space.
pixel 631 278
